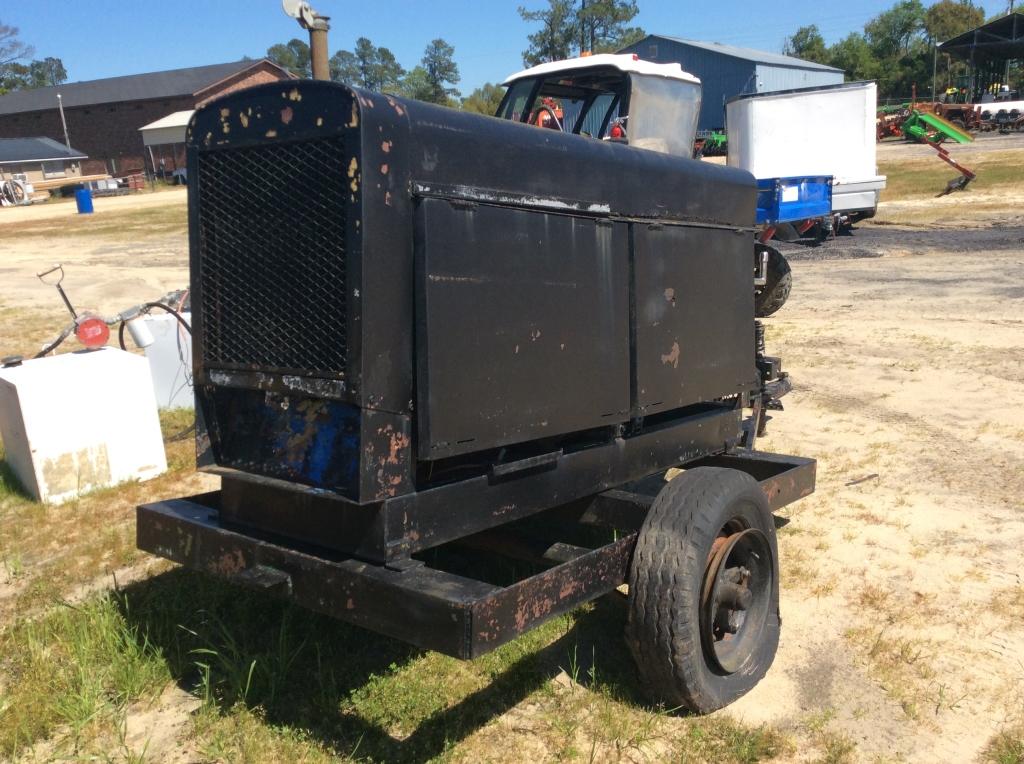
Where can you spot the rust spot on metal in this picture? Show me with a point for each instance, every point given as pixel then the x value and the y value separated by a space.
pixel 670 296
pixel 225 113
pixel 396 106
pixel 229 563
pixel 384 169
pixel 535 335
pixel 294 95
pixel 287 114
pixel 319 121
pixel 271 133
pixel 350 604
pixel 386 147
pixel 243 118
pixel 532 610
pixel 312 411
pixel 387 198
pixel 672 358
pixel 568 589
pixel 354 121
pixel 353 174
pixel 396 442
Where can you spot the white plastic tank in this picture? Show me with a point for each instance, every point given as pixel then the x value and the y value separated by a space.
pixel 168 348
pixel 75 422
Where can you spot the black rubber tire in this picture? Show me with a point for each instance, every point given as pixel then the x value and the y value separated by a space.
pixel 663 628
pixel 773 295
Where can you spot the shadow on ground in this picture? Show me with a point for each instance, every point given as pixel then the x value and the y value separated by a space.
pixel 348 687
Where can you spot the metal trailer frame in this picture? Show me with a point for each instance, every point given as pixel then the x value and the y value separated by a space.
pixel 428 606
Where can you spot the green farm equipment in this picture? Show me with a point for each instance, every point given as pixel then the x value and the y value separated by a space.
pixel 710 143
pixel 928 128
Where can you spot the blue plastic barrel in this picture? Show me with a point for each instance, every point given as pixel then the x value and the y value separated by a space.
pixel 83 199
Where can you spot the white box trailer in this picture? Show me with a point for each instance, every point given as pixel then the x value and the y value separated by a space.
pixel 826 130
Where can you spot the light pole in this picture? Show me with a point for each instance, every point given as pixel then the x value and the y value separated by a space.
pixel 318 27
pixel 60 107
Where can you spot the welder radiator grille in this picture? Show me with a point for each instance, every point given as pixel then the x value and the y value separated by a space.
pixel 271 263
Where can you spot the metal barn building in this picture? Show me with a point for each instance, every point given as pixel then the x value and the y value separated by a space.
pixel 726 71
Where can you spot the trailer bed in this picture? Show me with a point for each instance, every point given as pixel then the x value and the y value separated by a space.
pixel 430 607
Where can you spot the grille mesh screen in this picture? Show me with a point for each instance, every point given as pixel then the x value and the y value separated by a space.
pixel 272 257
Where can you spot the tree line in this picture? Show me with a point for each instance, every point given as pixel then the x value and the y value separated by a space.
pixel 15 75
pixel 433 79
pixel 897 47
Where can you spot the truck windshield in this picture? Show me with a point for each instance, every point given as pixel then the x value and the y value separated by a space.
pixel 646 111
pixel 587 103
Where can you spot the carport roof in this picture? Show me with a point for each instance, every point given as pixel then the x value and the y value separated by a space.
pixel 35 150
pixel 999 40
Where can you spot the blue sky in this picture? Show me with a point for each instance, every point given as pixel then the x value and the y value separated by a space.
pixel 104 38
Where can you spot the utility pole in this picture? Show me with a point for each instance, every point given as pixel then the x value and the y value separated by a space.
pixel 583 26
pixel 60 108
pixel 935 62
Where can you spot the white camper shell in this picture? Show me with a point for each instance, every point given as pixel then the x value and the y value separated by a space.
pixel 811 131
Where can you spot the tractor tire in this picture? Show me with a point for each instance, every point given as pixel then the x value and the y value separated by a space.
pixel 768 299
pixel 678 661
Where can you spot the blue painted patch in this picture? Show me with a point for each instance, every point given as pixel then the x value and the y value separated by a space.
pixel 307 440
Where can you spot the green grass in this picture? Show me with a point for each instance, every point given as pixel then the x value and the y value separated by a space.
pixel 926 177
pixel 282 682
pixel 116 224
pixel 1007 747
pixel 73 669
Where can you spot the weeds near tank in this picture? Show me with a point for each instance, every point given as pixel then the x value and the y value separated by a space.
pixel 1007 747
pixel 77 668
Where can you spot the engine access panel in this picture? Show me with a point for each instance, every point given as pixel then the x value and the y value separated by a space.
pixel 522 325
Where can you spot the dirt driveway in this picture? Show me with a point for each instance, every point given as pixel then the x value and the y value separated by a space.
pixel 132 249
pixel 902 592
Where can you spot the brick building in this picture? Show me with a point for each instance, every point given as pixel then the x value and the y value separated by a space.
pixel 104 116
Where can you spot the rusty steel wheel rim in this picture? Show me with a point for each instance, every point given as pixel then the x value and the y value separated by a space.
pixel 735 596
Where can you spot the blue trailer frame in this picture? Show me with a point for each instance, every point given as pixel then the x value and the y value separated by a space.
pixel 788 200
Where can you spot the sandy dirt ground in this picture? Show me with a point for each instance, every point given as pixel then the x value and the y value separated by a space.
pixel 105 271
pixel 902 597
pixel 902 591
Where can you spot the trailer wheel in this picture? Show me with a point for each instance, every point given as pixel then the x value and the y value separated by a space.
pixel 703 622
pixel 773 295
